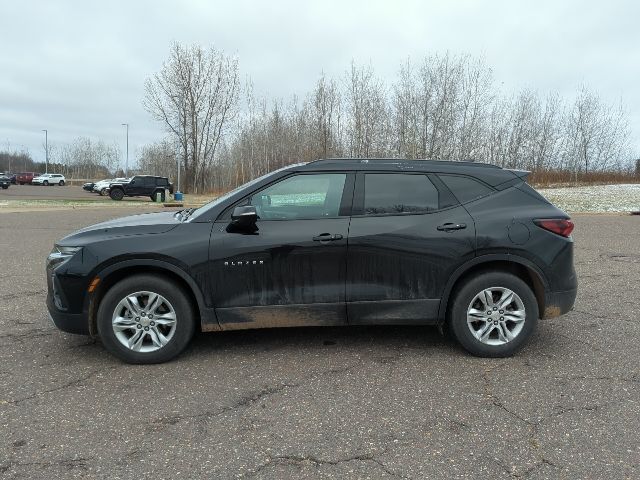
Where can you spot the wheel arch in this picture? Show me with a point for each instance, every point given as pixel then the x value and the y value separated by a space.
pixel 110 275
pixel 521 267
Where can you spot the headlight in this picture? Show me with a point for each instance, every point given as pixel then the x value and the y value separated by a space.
pixel 61 254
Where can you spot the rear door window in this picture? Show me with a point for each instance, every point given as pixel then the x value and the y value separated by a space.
pixel 464 188
pixel 399 193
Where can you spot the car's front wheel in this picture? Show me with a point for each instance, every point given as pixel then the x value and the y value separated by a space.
pixel 45 183
pixel 493 314
pixel 61 183
pixel 145 319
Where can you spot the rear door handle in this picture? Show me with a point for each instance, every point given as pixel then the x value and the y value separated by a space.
pixel 448 227
pixel 327 237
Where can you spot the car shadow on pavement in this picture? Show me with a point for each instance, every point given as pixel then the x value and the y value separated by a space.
pixel 311 338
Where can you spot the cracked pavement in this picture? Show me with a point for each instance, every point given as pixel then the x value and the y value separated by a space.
pixel 353 402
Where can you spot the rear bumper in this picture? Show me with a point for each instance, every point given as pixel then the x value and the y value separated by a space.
pixel 559 303
pixel 67 322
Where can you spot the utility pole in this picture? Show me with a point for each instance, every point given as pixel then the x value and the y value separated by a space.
pixel 46 151
pixel 126 165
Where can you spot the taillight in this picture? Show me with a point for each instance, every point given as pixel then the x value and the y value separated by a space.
pixel 561 226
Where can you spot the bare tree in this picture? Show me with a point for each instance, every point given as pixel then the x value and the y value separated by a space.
pixel 159 159
pixel 444 107
pixel 195 95
pixel 368 120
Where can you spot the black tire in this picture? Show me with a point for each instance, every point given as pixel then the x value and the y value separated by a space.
pixel 465 294
pixel 21 183
pixel 45 183
pixel 4 187
pixel 185 323
pixel 102 192
pixel 116 194
pixel 61 183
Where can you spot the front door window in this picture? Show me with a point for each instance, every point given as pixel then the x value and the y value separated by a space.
pixel 301 197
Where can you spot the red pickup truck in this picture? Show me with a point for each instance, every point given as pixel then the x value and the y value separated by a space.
pixel 26 177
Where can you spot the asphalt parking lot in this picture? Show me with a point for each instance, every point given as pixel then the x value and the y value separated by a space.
pixel 51 192
pixel 374 402
pixel 54 192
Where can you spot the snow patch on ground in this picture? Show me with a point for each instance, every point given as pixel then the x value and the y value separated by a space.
pixel 595 198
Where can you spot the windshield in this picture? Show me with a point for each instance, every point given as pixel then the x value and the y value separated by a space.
pixel 208 206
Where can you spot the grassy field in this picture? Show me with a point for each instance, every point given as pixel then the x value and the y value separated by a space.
pixel 595 198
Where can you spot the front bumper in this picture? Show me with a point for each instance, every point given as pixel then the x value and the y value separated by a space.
pixel 559 303
pixel 67 322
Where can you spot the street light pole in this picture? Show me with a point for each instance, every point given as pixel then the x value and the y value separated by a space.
pixel 126 165
pixel 179 165
pixel 46 151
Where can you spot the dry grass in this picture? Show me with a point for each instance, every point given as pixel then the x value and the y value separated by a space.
pixel 565 178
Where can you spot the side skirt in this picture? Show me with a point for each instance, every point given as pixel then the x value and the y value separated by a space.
pixel 394 312
pixel 276 316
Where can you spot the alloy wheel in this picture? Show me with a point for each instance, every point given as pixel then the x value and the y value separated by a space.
pixel 496 316
pixel 144 321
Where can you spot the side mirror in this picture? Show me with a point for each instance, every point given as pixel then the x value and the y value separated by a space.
pixel 244 217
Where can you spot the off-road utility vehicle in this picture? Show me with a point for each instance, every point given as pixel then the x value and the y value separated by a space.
pixel 141 186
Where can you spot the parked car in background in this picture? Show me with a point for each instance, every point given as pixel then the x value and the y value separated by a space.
pixel 26 177
pixel 102 187
pixel 4 182
pixel 468 246
pixel 88 186
pixel 141 186
pixel 10 176
pixel 49 179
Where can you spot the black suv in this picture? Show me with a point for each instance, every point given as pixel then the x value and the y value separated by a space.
pixel 141 186
pixel 468 246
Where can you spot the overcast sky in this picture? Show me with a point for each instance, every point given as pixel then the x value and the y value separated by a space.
pixel 77 68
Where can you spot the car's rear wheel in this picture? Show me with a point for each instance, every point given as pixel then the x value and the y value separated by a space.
pixel 61 183
pixel 493 314
pixel 116 194
pixel 145 319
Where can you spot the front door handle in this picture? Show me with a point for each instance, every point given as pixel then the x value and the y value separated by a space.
pixel 449 227
pixel 327 237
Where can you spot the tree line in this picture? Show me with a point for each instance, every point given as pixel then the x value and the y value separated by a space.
pixel 443 107
pixel 448 107
pixel 82 158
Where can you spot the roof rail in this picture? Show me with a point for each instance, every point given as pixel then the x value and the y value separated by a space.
pixel 406 160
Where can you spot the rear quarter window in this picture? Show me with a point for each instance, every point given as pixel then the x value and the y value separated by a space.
pixel 464 188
